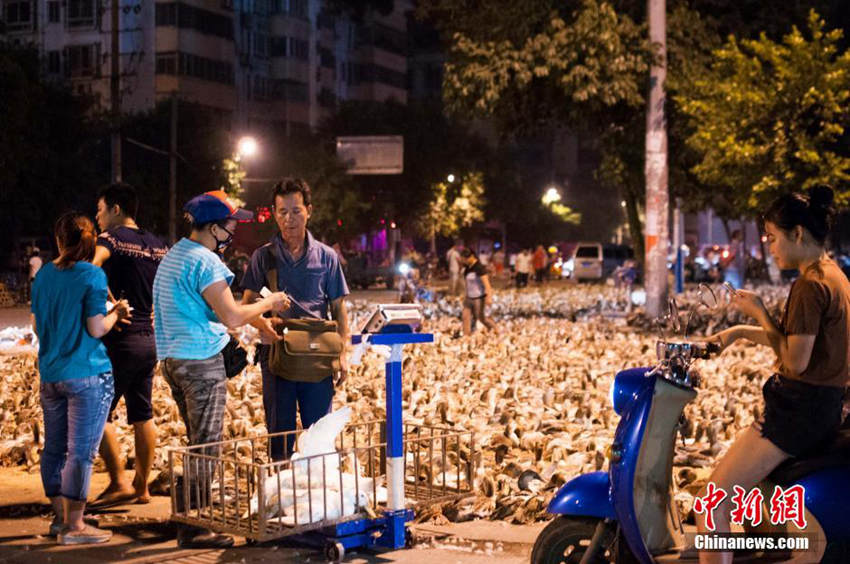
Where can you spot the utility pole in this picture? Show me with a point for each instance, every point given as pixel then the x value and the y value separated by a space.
pixel 115 93
pixel 657 197
pixel 172 173
pixel 679 272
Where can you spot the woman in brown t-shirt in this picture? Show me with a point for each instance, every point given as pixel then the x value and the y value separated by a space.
pixel 803 401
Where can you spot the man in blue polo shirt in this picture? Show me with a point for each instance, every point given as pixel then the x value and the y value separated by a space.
pixel 309 272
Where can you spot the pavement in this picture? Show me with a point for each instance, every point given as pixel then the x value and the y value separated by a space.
pixel 142 534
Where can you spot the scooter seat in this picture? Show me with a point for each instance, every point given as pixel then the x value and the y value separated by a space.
pixel 836 453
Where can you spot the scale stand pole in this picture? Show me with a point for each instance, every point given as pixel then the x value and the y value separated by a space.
pixel 396 515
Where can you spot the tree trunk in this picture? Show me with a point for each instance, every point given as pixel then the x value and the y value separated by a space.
pixel 656 167
pixel 635 227
pixel 727 229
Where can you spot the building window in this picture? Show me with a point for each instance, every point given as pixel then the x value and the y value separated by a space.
pixel 53 13
pixel 324 20
pixel 277 47
pixel 261 88
pixel 326 98
pixel 204 69
pixel 289 47
pixel 295 8
pixel 299 49
pixel 382 37
pixel 327 58
pixel 289 90
pixel 358 73
pixel 54 62
pixel 262 7
pixel 261 45
pixel 190 17
pixel 81 61
pixel 166 63
pixel 81 13
pixel 20 16
pixel 166 14
pixel 298 8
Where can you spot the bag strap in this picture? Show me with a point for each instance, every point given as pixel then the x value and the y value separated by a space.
pixel 271 278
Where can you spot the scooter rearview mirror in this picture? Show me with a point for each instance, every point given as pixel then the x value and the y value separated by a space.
pixel 675 322
pixel 729 292
pixel 707 297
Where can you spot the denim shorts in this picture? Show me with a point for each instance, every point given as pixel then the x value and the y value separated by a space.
pixel 799 417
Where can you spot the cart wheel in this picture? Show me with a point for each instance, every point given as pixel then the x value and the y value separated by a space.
pixel 409 541
pixel 334 551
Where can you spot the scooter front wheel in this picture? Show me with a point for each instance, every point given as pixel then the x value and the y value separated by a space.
pixel 567 538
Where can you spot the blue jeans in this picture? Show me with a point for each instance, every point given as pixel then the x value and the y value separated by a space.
pixel 282 397
pixel 74 415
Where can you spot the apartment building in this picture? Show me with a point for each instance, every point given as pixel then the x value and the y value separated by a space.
pixel 265 63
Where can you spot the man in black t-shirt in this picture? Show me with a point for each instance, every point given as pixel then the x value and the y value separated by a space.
pixel 130 257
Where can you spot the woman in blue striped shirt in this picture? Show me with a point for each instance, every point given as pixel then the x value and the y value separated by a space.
pixel 193 310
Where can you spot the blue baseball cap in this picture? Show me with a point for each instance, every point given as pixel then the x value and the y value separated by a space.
pixel 214 206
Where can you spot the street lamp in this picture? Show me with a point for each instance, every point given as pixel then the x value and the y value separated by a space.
pixel 247 147
pixel 450 178
pixel 551 196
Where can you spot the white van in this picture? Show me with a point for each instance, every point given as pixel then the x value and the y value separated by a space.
pixel 587 261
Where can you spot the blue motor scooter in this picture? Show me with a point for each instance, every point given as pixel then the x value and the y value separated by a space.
pixel 628 514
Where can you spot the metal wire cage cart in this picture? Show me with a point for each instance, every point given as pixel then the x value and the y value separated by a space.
pixel 231 488
pixel 362 494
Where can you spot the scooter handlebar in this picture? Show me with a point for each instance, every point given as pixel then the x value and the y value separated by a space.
pixel 688 350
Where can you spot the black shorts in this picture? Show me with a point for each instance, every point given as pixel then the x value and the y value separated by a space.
pixel 800 418
pixel 133 359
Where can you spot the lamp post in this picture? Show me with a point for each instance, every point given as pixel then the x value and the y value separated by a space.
pixel 247 147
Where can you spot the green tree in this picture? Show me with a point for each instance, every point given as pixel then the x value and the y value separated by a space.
pixel 691 38
pixel 500 29
pixel 533 68
pixel 567 67
pixel 453 207
pixel 771 117
pixel 53 148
